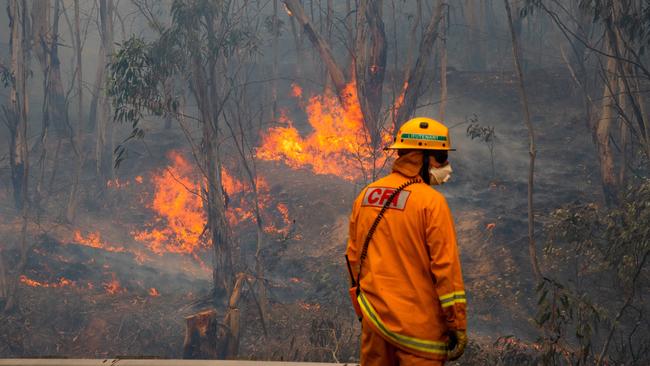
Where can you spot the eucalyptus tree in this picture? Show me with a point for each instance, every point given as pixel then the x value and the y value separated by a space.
pixel 15 116
pixel 607 41
pixel 198 50
pixel 369 59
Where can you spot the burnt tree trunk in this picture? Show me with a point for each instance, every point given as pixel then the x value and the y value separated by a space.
pixel 16 114
pixel 78 139
pixel 297 37
pixel 336 73
pixel 443 62
pixel 370 66
pixel 201 336
pixel 16 120
pixel 532 151
pixel 45 41
pixel 204 87
pixel 416 74
pixel 104 142
pixel 208 338
pixel 603 130
pixel 274 83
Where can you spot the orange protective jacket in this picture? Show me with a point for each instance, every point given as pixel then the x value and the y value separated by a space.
pixel 412 289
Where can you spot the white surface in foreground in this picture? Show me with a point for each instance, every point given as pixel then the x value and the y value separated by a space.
pixel 151 362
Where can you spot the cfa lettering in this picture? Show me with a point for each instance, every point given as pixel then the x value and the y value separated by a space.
pixel 378 196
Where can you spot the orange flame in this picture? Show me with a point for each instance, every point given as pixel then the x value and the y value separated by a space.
pixel 153 292
pixel 240 209
pixel 63 282
pixel 179 207
pixel 337 145
pixel 181 219
pixel 116 183
pixel 286 221
pixel 296 90
pixel 400 99
pixel 94 240
pixel 113 287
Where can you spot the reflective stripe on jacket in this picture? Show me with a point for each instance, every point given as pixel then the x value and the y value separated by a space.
pixel 411 284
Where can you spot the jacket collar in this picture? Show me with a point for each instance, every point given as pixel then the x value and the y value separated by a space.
pixel 409 164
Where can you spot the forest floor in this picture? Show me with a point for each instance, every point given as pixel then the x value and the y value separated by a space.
pixel 310 318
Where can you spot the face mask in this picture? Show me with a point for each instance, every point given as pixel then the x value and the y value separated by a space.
pixel 440 175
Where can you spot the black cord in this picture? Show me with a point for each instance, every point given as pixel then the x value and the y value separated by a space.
pixel 371 231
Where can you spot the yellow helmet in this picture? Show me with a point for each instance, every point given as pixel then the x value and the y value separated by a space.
pixel 422 133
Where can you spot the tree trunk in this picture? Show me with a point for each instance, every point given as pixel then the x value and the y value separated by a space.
pixel 370 66
pixel 57 102
pixel 45 40
pixel 416 74
pixel 4 283
pixel 472 54
pixel 206 92
pixel 443 62
pixel 336 73
pixel 201 336
pixel 207 338
pixel 46 47
pixel 274 72
pixel 41 34
pixel 603 129
pixel 298 40
pixel 78 141
pixel 531 146
pixel 104 143
pixel 16 114
pixel 96 93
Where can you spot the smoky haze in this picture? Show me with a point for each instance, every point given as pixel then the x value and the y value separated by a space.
pixel 207 176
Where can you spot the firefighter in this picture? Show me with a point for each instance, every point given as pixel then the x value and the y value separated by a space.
pixel 405 271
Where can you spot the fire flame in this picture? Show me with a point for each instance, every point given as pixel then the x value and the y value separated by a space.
pixel 179 207
pixel 153 292
pixel 113 287
pixel 240 208
pixel 94 240
pixel 400 98
pixel 296 90
pixel 63 282
pixel 337 145
pixel 181 220
pixel 116 183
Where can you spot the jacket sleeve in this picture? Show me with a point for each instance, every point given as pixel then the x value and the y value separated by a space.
pixel 445 264
pixel 353 251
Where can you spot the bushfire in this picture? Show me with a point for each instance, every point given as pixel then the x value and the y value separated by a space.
pixel 338 144
pixel 62 282
pixel 177 204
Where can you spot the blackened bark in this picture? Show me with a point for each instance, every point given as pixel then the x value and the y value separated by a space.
pixel 370 65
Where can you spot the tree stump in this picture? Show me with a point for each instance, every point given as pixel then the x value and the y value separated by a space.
pixel 202 339
pixel 207 338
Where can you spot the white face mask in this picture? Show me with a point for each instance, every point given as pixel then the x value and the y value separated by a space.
pixel 440 175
